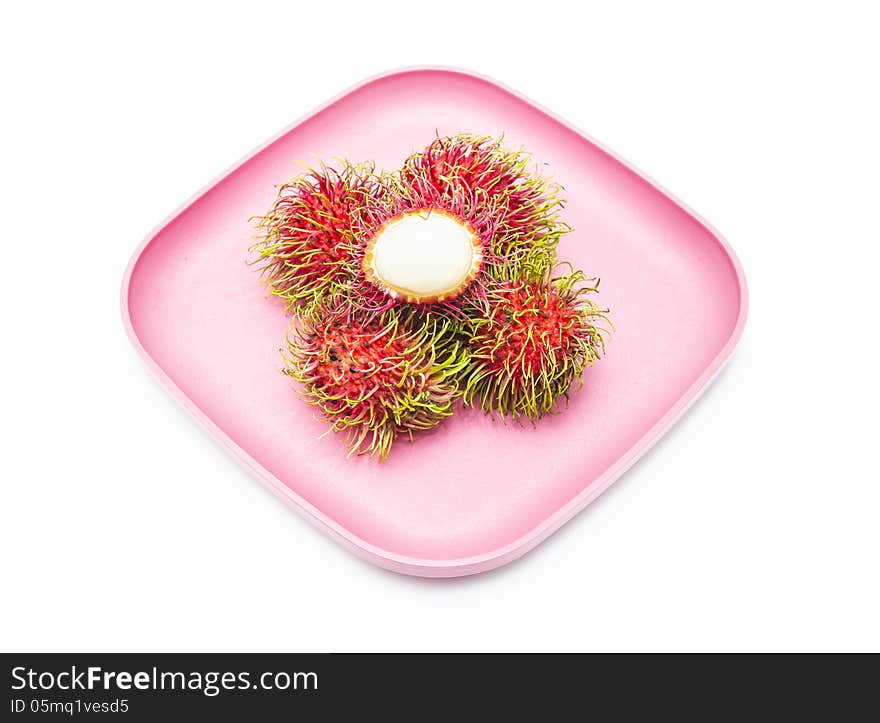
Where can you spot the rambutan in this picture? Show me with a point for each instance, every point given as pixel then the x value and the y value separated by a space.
pixel 461 212
pixel 532 345
pixel 304 249
pixel 374 376
pixel 415 288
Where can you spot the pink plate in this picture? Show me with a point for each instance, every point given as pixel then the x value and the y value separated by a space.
pixel 473 494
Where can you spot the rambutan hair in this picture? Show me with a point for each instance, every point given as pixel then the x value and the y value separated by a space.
pixel 511 209
pixel 375 377
pixel 532 345
pixel 304 249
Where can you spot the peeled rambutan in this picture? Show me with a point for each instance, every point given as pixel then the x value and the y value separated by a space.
pixel 525 205
pixel 461 212
pixel 375 377
pixel 304 249
pixel 532 345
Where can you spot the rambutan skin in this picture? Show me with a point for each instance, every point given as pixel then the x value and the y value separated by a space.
pixel 375 377
pixel 304 240
pixel 532 345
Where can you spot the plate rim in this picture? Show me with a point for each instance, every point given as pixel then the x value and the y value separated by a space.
pixel 435 567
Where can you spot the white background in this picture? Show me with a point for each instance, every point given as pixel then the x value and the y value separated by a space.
pixel 755 524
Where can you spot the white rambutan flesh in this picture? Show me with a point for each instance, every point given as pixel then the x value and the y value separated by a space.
pixel 423 256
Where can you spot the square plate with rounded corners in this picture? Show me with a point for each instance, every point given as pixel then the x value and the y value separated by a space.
pixel 472 494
